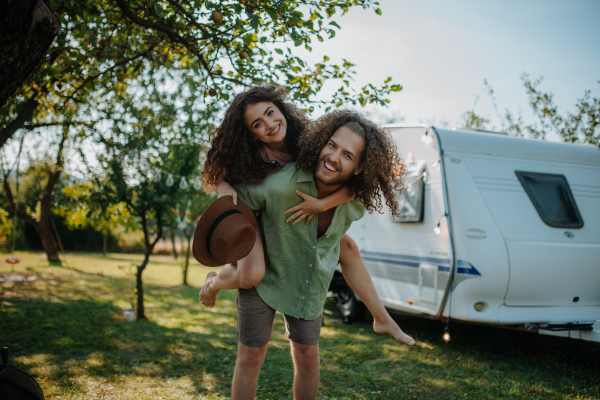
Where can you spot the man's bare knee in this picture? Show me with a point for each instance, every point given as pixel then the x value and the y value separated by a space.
pixel 305 355
pixel 251 355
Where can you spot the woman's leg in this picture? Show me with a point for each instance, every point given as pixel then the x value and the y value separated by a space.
pixel 359 280
pixel 248 272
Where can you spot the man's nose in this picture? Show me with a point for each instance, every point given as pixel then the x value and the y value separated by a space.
pixel 335 156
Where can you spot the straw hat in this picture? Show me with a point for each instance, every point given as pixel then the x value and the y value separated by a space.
pixel 225 233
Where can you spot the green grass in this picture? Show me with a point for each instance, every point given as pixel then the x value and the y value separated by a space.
pixel 65 326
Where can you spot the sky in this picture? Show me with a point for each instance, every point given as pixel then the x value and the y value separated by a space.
pixel 441 52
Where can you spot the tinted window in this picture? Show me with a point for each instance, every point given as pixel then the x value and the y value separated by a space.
pixel 552 198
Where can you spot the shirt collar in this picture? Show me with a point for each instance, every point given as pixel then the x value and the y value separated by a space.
pixel 304 176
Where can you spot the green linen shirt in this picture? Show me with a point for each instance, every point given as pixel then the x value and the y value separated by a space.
pixel 299 266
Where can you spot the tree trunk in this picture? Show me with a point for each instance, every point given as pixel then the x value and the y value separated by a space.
pixel 43 227
pixel 149 245
pixel 104 244
pixel 45 233
pixel 187 261
pixel 27 29
pixel 172 231
pixel 139 286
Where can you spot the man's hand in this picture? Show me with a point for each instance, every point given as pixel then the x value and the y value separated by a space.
pixel 309 207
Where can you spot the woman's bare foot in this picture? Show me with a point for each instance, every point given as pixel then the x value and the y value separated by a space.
pixel 208 296
pixel 390 327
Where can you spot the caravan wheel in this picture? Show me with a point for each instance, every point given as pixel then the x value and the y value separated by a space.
pixel 346 305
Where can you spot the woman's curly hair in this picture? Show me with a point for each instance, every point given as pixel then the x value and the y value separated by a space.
pixel 383 169
pixel 235 156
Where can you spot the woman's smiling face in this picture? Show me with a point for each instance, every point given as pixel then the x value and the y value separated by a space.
pixel 266 122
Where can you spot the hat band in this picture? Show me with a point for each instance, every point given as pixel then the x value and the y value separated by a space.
pixel 214 225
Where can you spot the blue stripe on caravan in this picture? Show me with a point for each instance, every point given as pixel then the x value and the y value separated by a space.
pixel 443 264
pixel 418 259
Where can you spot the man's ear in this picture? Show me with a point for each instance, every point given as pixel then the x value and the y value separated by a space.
pixel 359 169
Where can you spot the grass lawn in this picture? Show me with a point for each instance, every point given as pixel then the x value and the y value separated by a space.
pixel 65 326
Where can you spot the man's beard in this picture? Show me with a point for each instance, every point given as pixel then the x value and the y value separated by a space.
pixel 338 180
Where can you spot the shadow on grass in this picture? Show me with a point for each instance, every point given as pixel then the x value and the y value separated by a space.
pixel 480 362
pixel 66 328
pixel 65 340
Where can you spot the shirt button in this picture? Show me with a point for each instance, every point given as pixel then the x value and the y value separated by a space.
pixel 302 297
pixel 314 247
pixel 310 265
pixel 307 281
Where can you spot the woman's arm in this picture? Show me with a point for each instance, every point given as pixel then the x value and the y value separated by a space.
pixel 311 206
pixel 225 189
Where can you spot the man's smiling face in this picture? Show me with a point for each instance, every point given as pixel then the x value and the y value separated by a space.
pixel 340 158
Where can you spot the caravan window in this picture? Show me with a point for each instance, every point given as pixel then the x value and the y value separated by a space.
pixel 411 199
pixel 552 198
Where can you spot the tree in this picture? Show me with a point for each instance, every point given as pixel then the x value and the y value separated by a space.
pixel 151 150
pixel 85 204
pixel 107 50
pixel 40 217
pixel 106 45
pixel 188 212
pixel 27 29
pixel 6 226
pixel 583 126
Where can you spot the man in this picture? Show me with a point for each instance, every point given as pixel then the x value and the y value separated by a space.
pixel 341 149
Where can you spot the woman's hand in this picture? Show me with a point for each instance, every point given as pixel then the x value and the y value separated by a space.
pixel 225 189
pixel 309 207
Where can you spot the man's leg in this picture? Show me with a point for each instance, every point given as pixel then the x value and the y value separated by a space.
pixel 254 326
pixel 306 370
pixel 247 367
pixel 358 278
pixel 248 272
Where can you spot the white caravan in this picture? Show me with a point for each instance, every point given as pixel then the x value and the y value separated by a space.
pixel 495 229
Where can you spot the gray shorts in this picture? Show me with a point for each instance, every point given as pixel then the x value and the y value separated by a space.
pixel 255 322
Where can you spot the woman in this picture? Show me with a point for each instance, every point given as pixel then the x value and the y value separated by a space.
pixel 259 134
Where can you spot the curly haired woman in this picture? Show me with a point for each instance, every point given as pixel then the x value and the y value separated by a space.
pixel 259 134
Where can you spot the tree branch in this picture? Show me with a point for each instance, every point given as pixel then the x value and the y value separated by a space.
pixel 24 116
pixel 13 205
pixel 173 35
pixel 54 176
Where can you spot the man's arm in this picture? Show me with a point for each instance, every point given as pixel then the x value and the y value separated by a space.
pixel 251 195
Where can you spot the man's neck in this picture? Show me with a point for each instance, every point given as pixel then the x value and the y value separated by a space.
pixel 324 190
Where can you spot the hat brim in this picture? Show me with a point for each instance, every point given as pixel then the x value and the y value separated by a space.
pixel 220 206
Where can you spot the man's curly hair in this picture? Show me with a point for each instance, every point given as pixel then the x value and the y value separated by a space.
pixel 235 155
pixel 383 169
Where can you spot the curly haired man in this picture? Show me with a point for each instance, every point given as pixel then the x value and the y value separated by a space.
pixel 341 149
